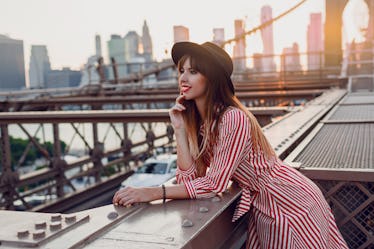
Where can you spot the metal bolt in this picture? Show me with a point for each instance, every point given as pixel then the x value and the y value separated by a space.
pixel 203 209
pixel 216 199
pixel 112 215
pixel 41 225
pixel 70 219
pixel 187 223
pixel 38 234
pixel 56 217
pixel 23 234
pixel 55 226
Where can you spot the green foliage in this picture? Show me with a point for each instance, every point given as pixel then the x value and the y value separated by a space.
pixel 110 170
pixel 17 148
pixel 19 145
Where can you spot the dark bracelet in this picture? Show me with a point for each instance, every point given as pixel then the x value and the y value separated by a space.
pixel 163 193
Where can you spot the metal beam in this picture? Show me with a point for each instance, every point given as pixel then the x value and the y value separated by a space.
pixel 101 116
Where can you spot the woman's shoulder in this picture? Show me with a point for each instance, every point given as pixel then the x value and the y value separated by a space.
pixel 233 112
pixel 234 115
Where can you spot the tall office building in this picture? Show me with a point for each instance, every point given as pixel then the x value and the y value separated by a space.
pixel 116 50
pixel 63 78
pixel 257 62
pixel 98 46
pixel 291 59
pixel 268 64
pixel 39 66
pixel 239 48
pixel 181 33
pixel 88 73
pixel 315 42
pixel 132 45
pixel 147 43
pixel 218 35
pixel 12 64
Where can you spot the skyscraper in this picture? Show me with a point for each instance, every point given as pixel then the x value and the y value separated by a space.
pixel 239 48
pixel 98 45
pixel 132 45
pixel 12 64
pixel 315 42
pixel 218 35
pixel 39 66
pixel 291 61
pixel 147 43
pixel 116 50
pixel 268 64
pixel 63 78
pixel 181 33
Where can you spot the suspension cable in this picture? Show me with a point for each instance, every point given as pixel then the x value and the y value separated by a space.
pixel 263 25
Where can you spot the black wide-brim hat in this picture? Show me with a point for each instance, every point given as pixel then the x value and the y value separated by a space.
pixel 210 51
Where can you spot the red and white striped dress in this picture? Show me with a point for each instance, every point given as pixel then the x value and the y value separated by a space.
pixel 287 210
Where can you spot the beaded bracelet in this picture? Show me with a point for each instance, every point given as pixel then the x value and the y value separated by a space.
pixel 163 193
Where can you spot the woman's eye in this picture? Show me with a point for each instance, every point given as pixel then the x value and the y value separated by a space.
pixel 193 71
pixel 181 70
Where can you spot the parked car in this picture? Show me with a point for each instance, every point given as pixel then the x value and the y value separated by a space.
pixel 154 172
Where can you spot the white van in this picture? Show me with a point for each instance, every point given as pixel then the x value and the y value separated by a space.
pixel 154 172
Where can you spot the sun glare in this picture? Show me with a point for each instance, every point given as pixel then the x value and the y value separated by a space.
pixel 355 21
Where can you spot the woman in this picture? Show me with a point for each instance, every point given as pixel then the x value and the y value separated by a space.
pixel 219 140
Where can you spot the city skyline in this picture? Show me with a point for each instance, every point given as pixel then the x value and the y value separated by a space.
pixel 200 29
pixel 72 25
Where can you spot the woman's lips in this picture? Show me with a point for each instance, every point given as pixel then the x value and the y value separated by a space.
pixel 185 89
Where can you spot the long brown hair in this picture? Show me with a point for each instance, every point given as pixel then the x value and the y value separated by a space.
pixel 218 98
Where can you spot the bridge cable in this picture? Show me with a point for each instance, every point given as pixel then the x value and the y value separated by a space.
pixel 263 25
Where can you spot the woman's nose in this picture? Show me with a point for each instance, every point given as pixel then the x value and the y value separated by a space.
pixel 182 77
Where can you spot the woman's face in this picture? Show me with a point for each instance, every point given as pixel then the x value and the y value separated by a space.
pixel 192 84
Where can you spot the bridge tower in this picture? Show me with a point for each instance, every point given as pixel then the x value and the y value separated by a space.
pixel 333 30
pixel 370 31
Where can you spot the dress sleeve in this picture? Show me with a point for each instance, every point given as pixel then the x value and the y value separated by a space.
pixel 234 137
pixel 184 176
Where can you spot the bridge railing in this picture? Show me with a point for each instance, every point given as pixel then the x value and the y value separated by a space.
pixel 274 67
pixel 102 154
pixel 290 66
pixel 108 142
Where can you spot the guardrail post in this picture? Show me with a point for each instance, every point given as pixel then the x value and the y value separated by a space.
pixel 8 178
pixel 97 153
pixel 127 145
pixel 58 163
pixel 150 137
pixel 170 133
pixel 115 70
pixel 283 69
pixel 100 69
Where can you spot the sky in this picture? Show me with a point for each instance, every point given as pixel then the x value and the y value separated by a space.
pixel 68 27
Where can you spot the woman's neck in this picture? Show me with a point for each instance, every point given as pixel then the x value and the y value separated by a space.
pixel 200 104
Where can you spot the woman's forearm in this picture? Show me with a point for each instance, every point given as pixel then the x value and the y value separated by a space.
pixel 130 195
pixel 176 192
pixel 184 155
pixel 171 192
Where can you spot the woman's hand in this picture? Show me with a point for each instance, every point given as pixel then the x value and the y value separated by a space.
pixel 130 195
pixel 175 113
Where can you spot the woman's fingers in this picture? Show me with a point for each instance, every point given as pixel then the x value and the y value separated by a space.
pixel 121 196
pixel 180 99
pixel 178 107
pixel 127 196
